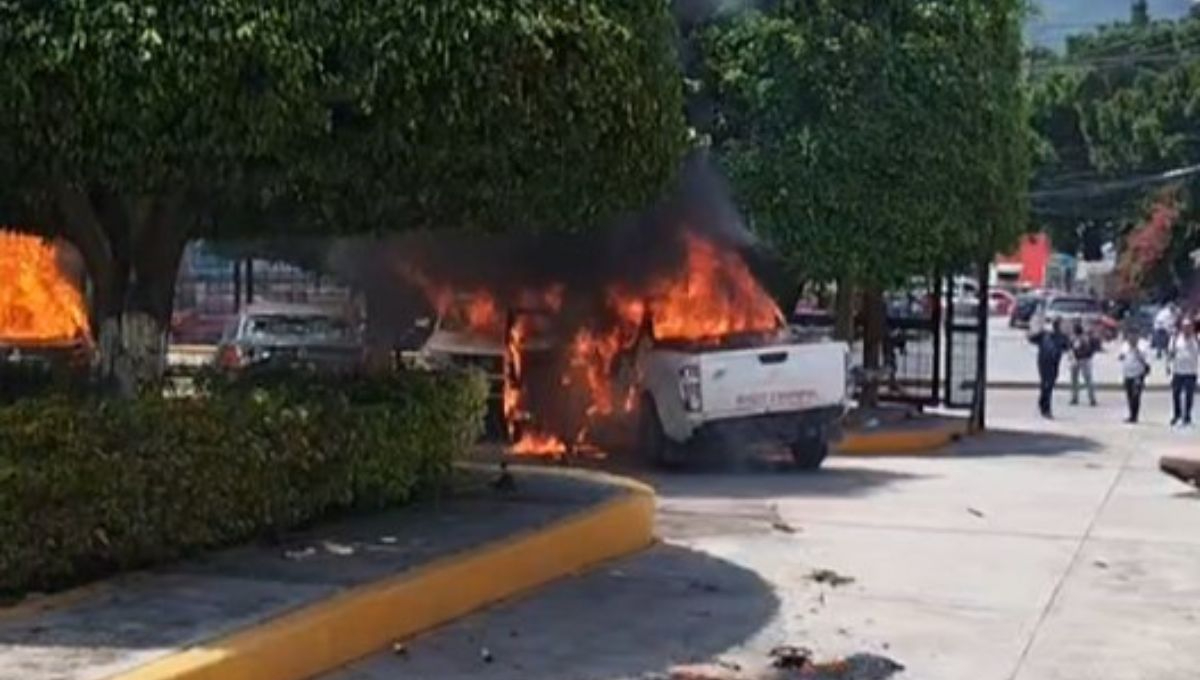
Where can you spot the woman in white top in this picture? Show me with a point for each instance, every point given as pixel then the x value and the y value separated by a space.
pixel 1183 356
pixel 1134 368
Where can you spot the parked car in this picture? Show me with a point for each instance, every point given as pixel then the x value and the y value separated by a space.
pixel 278 335
pixel 195 327
pixel 1023 310
pixel 1071 308
pixel 1000 302
pixel 1140 318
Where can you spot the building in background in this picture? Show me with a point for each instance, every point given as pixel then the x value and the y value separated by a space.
pixel 1026 268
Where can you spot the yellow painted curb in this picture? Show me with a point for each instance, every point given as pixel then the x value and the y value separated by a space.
pixel 901 442
pixel 331 633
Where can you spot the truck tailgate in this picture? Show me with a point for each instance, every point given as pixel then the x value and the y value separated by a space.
pixel 776 379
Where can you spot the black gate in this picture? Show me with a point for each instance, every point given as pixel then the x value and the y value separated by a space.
pixel 964 324
pixel 931 347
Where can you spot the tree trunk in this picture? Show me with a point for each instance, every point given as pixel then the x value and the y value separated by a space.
pixel 132 250
pixel 843 311
pixel 873 330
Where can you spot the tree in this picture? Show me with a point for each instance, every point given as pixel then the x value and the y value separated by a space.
pixel 131 128
pixel 1112 115
pixel 872 141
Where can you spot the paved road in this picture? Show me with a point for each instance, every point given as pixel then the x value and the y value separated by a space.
pixel 1045 551
pixel 1012 359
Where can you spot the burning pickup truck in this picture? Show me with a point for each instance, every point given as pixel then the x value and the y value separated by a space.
pixel 771 386
pixel 681 347
pixel 699 355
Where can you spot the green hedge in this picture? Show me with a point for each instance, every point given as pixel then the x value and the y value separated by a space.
pixel 88 487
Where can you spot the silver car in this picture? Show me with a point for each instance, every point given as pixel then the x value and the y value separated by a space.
pixel 1072 308
pixel 291 336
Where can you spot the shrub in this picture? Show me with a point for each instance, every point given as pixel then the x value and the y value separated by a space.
pixel 88 487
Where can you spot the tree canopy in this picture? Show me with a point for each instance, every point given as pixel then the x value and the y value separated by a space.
pixel 131 127
pixel 873 140
pixel 460 114
pixel 1115 115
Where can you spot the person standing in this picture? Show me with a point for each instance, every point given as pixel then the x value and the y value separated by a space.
pixel 1084 346
pixel 1051 344
pixel 1164 326
pixel 1134 369
pixel 1183 355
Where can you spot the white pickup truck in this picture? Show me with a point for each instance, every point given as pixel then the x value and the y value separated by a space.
pixel 777 387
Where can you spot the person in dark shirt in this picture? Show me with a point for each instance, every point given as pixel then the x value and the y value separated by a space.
pixel 1084 346
pixel 1052 343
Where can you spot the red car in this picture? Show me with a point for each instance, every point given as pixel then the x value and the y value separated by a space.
pixel 1000 302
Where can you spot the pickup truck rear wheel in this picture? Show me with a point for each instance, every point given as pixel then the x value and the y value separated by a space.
pixel 810 452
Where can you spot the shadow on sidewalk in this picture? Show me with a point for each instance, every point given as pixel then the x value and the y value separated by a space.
pixel 635 617
pixel 836 479
pixel 1024 443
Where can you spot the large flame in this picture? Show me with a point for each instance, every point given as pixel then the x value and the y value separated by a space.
pixel 709 297
pixel 713 296
pixel 38 303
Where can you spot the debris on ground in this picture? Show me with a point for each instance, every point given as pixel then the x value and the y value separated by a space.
pixel 791 662
pixel 505 482
pixel 854 667
pixel 703 672
pixel 829 577
pixel 339 549
pixel 718 670
pixel 704 586
pixel 388 540
pixel 783 527
pixel 485 655
pixel 1100 564
pixel 790 657
pixel 399 649
pixel 297 554
pixel 975 512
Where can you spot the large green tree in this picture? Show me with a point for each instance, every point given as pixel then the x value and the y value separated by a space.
pixel 1114 113
pixel 131 127
pixel 870 141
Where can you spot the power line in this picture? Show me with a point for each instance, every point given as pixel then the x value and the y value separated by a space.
pixel 1094 190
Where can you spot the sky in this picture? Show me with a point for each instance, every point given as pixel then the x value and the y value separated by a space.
pixel 1057 19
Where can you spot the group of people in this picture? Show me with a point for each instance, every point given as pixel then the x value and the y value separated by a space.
pixel 1175 341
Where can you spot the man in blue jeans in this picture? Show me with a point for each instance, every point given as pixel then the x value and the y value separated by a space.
pixel 1052 343
pixel 1183 355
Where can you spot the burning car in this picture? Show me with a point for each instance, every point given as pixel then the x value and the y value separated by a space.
pixel 466 331
pixel 43 313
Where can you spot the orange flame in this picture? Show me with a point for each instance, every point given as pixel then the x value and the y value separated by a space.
pixel 715 295
pixel 712 295
pixel 38 303
pixel 528 440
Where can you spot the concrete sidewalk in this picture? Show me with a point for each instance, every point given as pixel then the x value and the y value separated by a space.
pixel 302 607
pixel 1039 551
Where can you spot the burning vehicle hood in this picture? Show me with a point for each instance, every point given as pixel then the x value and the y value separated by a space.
pixel 449 342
